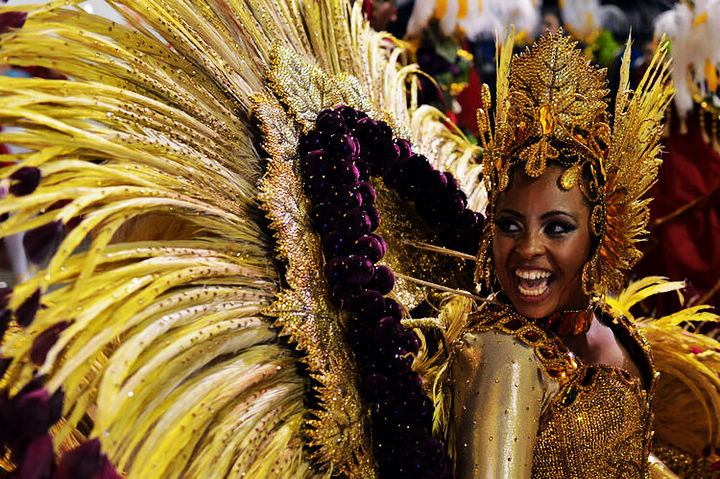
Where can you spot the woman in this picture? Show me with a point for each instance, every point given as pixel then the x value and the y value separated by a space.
pixel 542 241
pixel 549 381
pixel 211 349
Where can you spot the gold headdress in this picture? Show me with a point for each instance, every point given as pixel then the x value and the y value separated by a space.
pixel 552 105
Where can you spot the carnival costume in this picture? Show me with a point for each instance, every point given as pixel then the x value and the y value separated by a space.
pixel 238 205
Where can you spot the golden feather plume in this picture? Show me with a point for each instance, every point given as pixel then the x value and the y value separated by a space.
pixel 687 398
pixel 168 283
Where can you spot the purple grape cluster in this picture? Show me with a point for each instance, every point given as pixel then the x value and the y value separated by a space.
pixel 438 200
pixel 339 156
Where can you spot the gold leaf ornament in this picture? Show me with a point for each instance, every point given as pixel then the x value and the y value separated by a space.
pixel 570 177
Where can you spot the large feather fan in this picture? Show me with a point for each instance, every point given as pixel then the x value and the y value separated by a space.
pixel 136 182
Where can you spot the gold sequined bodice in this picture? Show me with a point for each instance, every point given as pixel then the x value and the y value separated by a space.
pixel 584 420
pixel 596 426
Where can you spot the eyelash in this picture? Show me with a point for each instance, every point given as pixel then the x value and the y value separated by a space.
pixel 561 228
pixel 555 228
pixel 504 224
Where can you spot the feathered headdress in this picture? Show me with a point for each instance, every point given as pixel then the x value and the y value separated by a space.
pixel 552 105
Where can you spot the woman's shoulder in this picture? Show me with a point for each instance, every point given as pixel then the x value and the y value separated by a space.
pixel 625 330
pixel 495 326
pixel 633 345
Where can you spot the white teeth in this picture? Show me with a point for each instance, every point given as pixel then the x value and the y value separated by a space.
pixel 532 274
pixel 533 292
pixel 536 275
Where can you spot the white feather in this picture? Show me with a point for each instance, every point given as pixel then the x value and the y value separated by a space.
pixel 695 35
pixel 422 13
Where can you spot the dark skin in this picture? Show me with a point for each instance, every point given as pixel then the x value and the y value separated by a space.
pixel 541 242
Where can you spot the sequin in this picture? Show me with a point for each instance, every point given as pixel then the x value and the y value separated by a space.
pixel 591 420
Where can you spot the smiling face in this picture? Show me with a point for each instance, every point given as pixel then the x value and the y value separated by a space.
pixel 541 242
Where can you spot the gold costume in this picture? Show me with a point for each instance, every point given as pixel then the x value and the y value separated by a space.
pixel 537 410
pixel 522 405
pixel 184 319
pixel 562 418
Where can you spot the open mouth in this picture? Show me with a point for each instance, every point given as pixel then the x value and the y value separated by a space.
pixel 533 283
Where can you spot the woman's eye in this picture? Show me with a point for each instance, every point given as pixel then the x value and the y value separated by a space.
pixel 559 228
pixel 507 225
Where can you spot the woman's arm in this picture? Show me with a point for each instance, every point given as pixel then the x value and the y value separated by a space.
pixel 499 393
pixel 658 470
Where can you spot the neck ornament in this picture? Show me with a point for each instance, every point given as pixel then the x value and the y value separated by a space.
pixel 569 323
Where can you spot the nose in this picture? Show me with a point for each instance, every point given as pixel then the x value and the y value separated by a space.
pixel 530 245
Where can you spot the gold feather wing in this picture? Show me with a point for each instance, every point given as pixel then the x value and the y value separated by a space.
pixel 687 397
pixel 177 320
pixel 162 283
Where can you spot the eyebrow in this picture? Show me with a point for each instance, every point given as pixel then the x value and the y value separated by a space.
pixel 544 216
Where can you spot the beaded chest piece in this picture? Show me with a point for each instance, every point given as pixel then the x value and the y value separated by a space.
pixel 599 421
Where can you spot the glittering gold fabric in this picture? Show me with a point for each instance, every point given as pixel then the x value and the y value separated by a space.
pixel 682 463
pixel 537 411
pixel 597 425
